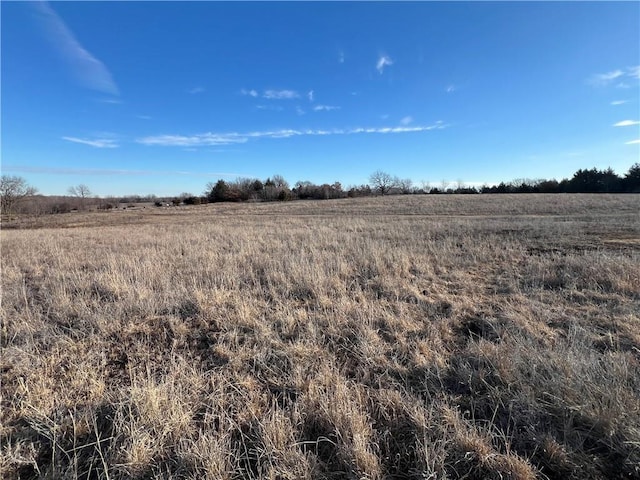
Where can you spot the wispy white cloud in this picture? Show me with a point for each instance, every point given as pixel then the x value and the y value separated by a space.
pixel 601 79
pixel 213 139
pixel 98 143
pixel 626 123
pixel 310 95
pixel 325 108
pixel 194 140
pixel 281 94
pixel 633 142
pixel 299 110
pixel 144 117
pixel 87 69
pixel 276 108
pixel 101 171
pixel 277 94
pixel 405 129
pixel 196 90
pixel 340 56
pixel 619 102
pixel 604 79
pixel 406 120
pixel 450 88
pixel 113 101
pixel 383 61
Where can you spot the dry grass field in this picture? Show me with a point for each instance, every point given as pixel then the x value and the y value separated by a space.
pixel 422 337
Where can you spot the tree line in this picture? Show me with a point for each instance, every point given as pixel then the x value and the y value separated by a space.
pixel 15 191
pixel 583 181
pixel 383 183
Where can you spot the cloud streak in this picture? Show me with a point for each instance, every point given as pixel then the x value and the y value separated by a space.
pixel 633 142
pixel 619 102
pixel 275 108
pixel 626 123
pixel 90 72
pixel 214 139
pixel 406 120
pixel 97 143
pixel 601 79
pixel 196 90
pixel 325 108
pixel 272 94
pixel 100 171
pixel 604 79
pixel 383 61
pixel 634 72
pixel 210 139
pixel 281 94
pixel 112 101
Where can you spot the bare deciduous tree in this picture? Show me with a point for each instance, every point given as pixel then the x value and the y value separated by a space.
pixel 383 182
pixel 80 191
pixel 406 185
pixel 279 182
pixel 12 191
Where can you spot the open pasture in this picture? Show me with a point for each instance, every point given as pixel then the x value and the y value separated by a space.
pixel 422 337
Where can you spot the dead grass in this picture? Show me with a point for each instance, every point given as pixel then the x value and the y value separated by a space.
pixel 403 337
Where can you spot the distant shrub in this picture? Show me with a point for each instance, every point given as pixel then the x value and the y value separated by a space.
pixel 218 191
pixel 157 204
pixel 359 191
pixel 466 190
pixel 284 195
pixel 307 190
pixel 63 207
pixel 191 200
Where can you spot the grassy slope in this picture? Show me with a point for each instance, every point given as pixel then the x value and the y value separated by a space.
pixel 405 337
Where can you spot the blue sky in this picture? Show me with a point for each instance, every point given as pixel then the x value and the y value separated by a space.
pixel 164 97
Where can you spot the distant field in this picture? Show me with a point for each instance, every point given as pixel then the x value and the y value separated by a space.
pixel 422 337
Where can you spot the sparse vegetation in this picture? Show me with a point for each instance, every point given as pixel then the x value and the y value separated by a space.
pixel 382 182
pixel 13 190
pixel 425 337
pixel 80 191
